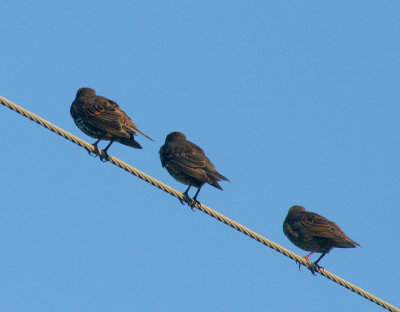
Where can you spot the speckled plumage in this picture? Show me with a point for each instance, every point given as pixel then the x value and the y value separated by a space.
pixel 103 119
pixel 187 163
pixel 312 232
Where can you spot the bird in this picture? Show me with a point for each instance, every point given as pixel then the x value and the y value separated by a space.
pixel 313 232
pixel 187 163
pixel 103 119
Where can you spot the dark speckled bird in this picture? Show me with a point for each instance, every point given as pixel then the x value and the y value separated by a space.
pixel 187 163
pixel 312 232
pixel 103 119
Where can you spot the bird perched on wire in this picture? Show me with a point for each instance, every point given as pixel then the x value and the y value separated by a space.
pixel 312 232
pixel 187 163
pixel 103 119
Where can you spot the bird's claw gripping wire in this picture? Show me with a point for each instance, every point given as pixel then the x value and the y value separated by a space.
pixel 182 202
pixel 313 267
pixel 193 203
pixel 187 200
pixel 299 263
pixel 104 157
pixel 96 151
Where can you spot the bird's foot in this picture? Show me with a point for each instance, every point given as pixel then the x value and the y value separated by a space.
pixel 313 267
pixel 186 198
pixel 299 263
pixel 193 203
pixel 104 156
pixel 308 263
pixel 96 151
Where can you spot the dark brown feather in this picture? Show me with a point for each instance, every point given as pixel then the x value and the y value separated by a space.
pixel 313 232
pixel 187 162
pixel 102 118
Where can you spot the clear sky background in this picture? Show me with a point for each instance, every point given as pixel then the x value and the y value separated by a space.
pixel 295 102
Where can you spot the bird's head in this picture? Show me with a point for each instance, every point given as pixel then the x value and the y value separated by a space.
pixel 296 209
pixel 85 92
pixel 175 136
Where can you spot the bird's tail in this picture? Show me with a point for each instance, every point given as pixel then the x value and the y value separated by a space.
pixel 136 130
pixel 348 243
pixel 220 176
pixel 216 176
pixel 130 142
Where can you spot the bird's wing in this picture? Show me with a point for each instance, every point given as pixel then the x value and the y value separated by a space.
pixel 319 226
pixel 103 114
pixel 186 155
pixel 186 159
pixel 113 116
pixel 196 173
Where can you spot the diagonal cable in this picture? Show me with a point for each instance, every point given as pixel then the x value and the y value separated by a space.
pixel 220 217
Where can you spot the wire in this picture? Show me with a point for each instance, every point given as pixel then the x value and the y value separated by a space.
pixel 89 147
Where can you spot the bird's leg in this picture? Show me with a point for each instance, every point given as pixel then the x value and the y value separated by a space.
pixel 105 158
pixel 96 149
pixel 194 199
pixel 307 258
pixel 186 195
pixel 316 262
pixel 314 266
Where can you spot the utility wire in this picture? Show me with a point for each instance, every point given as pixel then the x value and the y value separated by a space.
pixel 89 147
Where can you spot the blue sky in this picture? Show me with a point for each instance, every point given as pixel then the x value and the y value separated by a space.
pixel 296 103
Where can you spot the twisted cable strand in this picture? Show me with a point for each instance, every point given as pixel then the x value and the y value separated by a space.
pixel 89 147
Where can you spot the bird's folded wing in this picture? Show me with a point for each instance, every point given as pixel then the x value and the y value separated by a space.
pixel 195 172
pixel 316 225
pixel 184 155
pixel 104 115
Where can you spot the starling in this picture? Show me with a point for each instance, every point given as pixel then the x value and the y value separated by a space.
pixel 187 163
pixel 103 119
pixel 312 232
